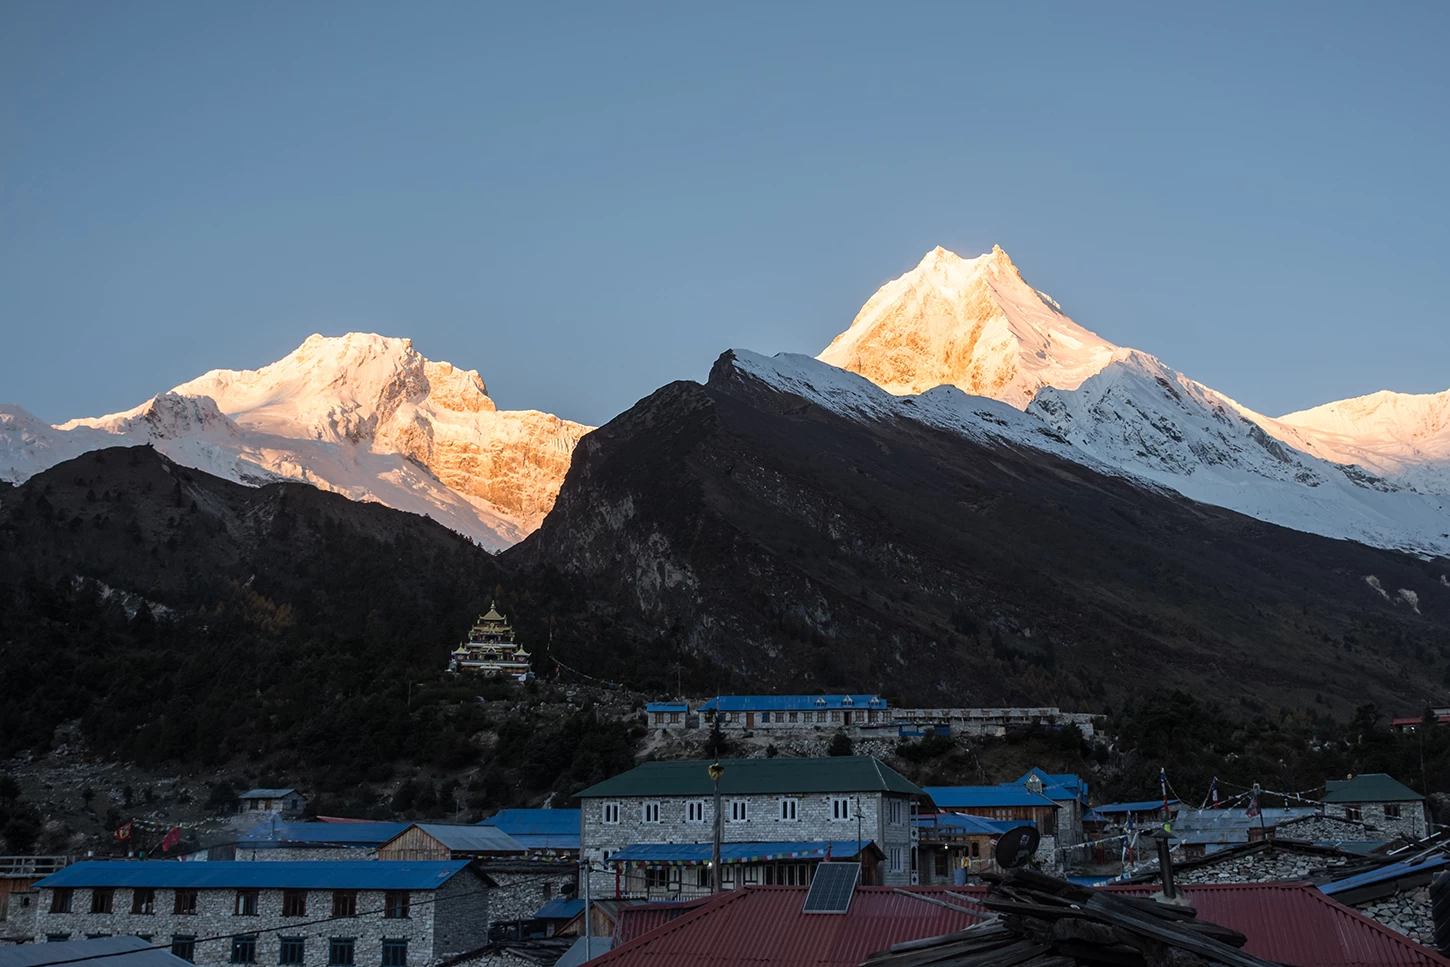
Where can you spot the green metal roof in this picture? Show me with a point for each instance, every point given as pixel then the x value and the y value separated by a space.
pixel 853 773
pixel 1369 787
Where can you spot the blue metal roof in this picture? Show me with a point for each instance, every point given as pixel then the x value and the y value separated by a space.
pixel 790 703
pixel 321 834
pixel 267 793
pixel 1061 787
pixel 962 797
pixel 302 875
pixel 667 706
pixel 559 908
pixel 963 824
pixel 1391 872
pixel 535 822
pixel 696 853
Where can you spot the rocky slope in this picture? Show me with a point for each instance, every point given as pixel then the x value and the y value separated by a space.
pixel 1375 470
pixel 804 528
pixel 363 415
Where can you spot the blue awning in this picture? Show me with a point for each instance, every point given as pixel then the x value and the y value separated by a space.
pixel 1392 872
pixel 695 854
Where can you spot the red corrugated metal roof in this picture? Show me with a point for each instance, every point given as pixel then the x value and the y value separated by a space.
pixel 639 919
pixel 1289 923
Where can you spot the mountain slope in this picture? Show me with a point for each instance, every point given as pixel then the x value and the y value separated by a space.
pixel 363 415
pixel 806 529
pixel 1376 471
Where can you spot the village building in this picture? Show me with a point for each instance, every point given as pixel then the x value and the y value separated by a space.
pixel 1439 715
pixel 440 841
pixel 1285 923
pixel 785 712
pixel 492 650
pixel 283 803
pixel 107 951
pixel 653 825
pixel 299 914
pixel 992 721
pixel 667 715
pixel 274 841
pixel 543 832
pixel 1012 804
pixel 952 848
pixel 1380 802
pixel 1198 832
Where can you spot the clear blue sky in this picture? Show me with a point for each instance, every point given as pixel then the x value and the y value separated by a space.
pixel 586 201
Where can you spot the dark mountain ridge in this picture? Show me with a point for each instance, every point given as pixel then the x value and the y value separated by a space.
pixel 802 549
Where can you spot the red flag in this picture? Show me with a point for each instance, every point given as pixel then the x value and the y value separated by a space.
pixel 124 833
pixel 171 839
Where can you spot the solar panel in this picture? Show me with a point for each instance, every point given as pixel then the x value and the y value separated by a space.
pixel 832 887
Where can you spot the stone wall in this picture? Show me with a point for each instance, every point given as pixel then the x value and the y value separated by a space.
pixel 814 823
pixel 1319 829
pixel 1410 823
pixel 1407 913
pixel 519 895
pixel 313 853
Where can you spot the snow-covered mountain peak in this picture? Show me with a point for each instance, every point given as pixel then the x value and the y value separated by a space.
pixel 971 323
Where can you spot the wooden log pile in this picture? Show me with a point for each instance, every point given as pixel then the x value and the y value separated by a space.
pixel 1043 921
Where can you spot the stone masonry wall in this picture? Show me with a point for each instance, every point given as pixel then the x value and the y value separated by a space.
pixel 1407 913
pixel 215 916
pixel 519 895
pixel 285 853
pixel 763 825
pixel 461 913
pixel 1269 866
pixel 1410 823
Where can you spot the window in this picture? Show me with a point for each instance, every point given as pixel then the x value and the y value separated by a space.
pixel 294 903
pixel 820 716
pixel 795 716
pixel 548 889
pixel 789 809
pixel 1353 813
pixel 1392 810
pixel 143 900
pixel 395 953
pixel 57 937
pixel 695 811
pixel 184 946
pixel 674 718
pixel 939 863
pixel 96 936
pixel 185 903
pixel 102 899
pixel 246 906
pixel 702 877
pixel 61 899
pixel 976 849
pixel 897 812
pixel 339 952
pixel 897 857
pixel 609 813
pixel 244 949
pixel 764 716
pixel 739 810
pixel 344 903
pixel 840 809
pixel 730 716
pixel 291 950
pixel 395 905
pixel 835 715
pixel 656 878
pixel 651 813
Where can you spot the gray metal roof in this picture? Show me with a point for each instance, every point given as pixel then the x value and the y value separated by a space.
pixel 575 956
pixel 138 953
pixel 298 874
pixel 266 793
pixel 486 839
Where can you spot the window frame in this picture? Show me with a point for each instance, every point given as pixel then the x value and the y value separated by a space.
pixel 609 812
pixel 344 903
pixel 103 899
pixel 397 905
pixel 690 807
pixel 841 811
pixel 790 809
pixel 184 902
pixel 247 903
pixel 143 901
pixel 739 811
pixel 296 944
pixel 62 899
pixel 649 812
pixel 294 903
pixel 1392 810
pixel 334 944
pixel 392 945
pixel 183 946
pixel 244 944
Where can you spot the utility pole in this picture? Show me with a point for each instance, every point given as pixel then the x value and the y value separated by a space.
pixel 716 770
pixel 588 934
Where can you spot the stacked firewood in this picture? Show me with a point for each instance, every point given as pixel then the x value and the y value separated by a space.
pixel 1046 922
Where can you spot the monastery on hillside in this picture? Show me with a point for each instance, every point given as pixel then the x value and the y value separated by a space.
pixel 491 649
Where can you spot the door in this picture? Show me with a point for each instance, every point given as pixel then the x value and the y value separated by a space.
pixel 750 720
pixel 847 717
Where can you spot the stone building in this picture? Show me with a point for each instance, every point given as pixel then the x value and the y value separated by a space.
pixel 387 914
pixel 284 803
pixel 1010 803
pixel 653 826
pixel 667 715
pixel 1380 802
pixel 274 841
pixel 787 712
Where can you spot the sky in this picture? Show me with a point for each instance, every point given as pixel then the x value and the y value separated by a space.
pixel 587 201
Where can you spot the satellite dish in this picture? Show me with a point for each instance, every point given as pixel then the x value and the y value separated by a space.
pixel 1016 846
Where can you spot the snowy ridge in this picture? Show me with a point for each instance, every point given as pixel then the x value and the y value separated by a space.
pixel 1374 470
pixel 362 415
